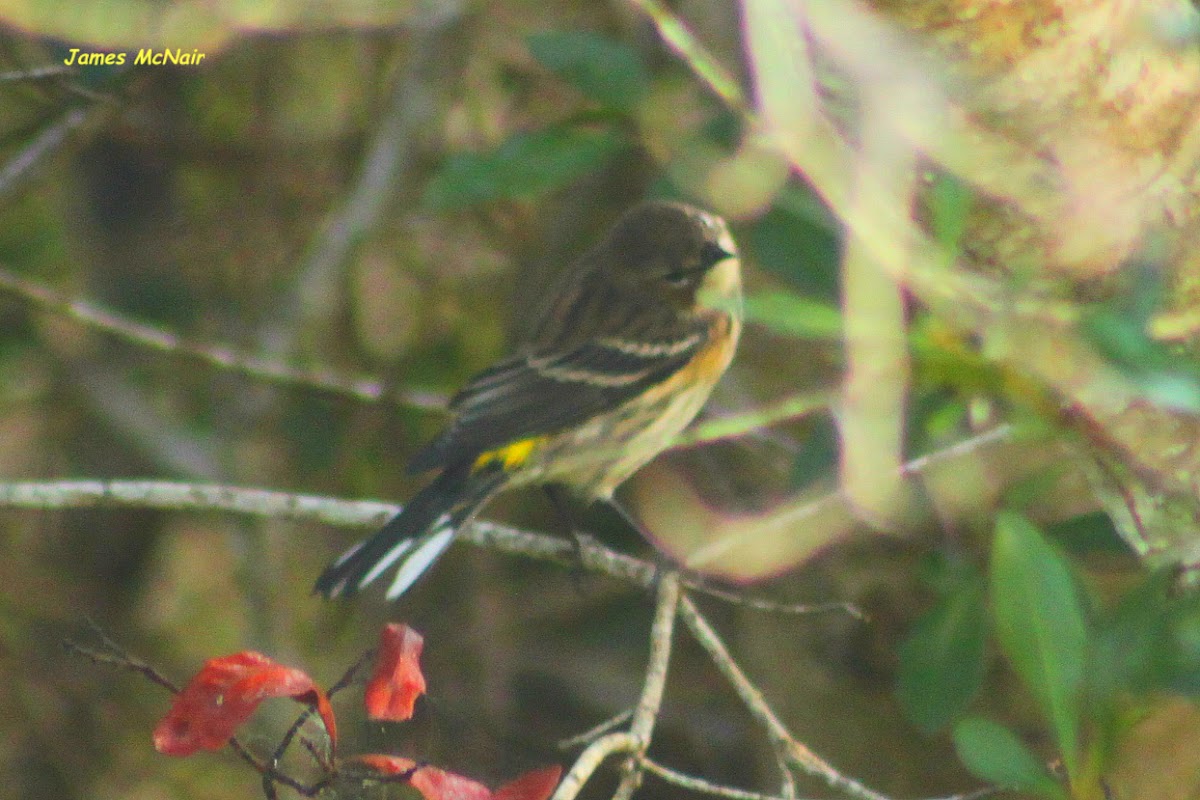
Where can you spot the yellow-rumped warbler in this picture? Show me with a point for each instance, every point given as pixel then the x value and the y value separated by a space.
pixel 639 331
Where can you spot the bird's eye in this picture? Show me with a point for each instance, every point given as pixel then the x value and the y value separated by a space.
pixel 682 278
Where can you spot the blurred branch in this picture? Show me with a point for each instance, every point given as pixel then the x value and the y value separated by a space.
pixel 871 413
pixel 157 339
pixel 153 430
pixel 679 37
pixel 360 388
pixel 386 172
pixel 745 422
pixel 35 73
pixel 49 139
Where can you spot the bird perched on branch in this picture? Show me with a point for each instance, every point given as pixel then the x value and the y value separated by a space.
pixel 636 335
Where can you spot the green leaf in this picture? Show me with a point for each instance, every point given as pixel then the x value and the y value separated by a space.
pixel 524 166
pixel 794 315
pixel 1150 642
pixel 603 69
pixel 1040 624
pixel 949 205
pixel 942 661
pixel 994 754
pixel 794 241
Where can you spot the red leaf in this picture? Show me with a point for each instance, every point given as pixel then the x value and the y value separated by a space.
pixel 320 701
pixel 431 782
pixel 386 765
pixel 437 784
pixel 397 681
pixel 536 784
pixel 224 694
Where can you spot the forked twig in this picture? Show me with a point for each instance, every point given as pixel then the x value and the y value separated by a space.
pixel 792 752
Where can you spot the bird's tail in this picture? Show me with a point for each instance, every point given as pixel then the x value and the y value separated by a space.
pixel 415 538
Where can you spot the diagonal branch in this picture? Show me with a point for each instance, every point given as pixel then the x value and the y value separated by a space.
pixel 362 388
pixel 160 340
pixel 793 753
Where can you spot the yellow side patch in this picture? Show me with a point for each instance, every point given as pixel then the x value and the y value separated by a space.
pixel 510 456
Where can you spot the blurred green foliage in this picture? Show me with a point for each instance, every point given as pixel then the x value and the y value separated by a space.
pixel 208 190
pixel 1089 665
pixel 524 167
pixel 605 70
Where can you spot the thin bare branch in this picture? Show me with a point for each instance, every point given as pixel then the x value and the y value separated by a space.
pixel 387 171
pixel 741 598
pixel 595 732
pixel 158 339
pixel 362 388
pixel 35 73
pixel 646 713
pixel 702 786
pixel 115 656
pixel 53 136
pixel 794 752
pixel 741 423
pixel 589 760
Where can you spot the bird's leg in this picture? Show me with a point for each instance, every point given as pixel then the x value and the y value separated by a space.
pixel 566 517
pixel 662 561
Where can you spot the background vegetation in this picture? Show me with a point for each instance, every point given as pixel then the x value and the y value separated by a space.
pixel 967 228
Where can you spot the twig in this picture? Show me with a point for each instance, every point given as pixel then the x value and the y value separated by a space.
pixel 386 171
pixel 592 757
pixel 675 32
pixel 271 775
pixel 794 753
pixel 702 786
pixel 787 780
pixel 738 598
pixel 645 714
pixel 117 657
pixel 739 424
pixel 48 140
pixel 35 73
pixel 592 734
pixel 160 340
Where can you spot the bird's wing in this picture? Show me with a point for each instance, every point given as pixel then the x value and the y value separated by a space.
pixel 545 391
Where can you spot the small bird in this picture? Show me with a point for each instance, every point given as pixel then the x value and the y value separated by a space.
pixel 630 346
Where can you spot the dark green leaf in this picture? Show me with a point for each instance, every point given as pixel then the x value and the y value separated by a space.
pixel 1040 624
pixel 1150 642
pixel 1118 330
pixel 942 661
pixel 526 165
pixel 793 241
pixel 794 315
pixel 994 754
pixel 603 69
pixel 1088 534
